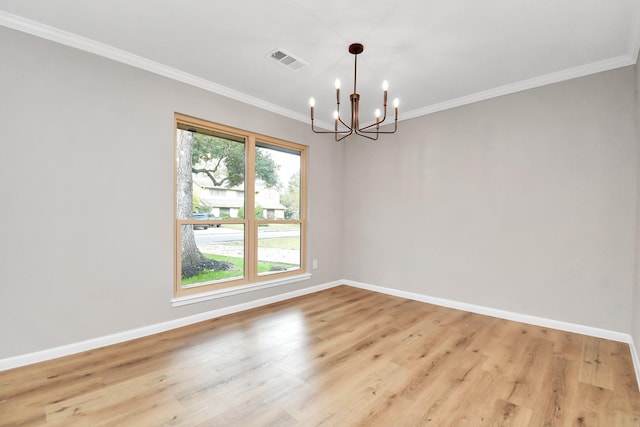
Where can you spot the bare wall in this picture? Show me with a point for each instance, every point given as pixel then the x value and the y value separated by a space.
pixel 86 186
pixel 635 329
pixel 525 203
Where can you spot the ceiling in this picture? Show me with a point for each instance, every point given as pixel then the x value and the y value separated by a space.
pixel 436 54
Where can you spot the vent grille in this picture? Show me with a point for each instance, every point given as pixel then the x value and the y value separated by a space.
pixel 286 59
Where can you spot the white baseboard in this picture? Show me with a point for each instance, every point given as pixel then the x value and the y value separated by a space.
pixel 636 361
pixel 509 315
pixel 502 314
pixel 91 344
pixel 66 350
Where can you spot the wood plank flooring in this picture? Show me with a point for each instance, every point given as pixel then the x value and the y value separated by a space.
pixel 340 357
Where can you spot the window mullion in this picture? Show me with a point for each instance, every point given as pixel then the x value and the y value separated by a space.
pixel 251 233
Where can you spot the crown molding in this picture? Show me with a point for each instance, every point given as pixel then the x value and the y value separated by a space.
pixel 634 33
pixel 630 58
pixel 571 73
pixel 88 45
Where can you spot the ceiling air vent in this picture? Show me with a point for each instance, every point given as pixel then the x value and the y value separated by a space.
pixel 283 57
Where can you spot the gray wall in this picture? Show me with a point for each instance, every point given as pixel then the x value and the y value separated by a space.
pixel 525 203
pixel 636 290
pixel 86 186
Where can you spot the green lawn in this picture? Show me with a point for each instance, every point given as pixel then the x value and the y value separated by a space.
pixel 236 272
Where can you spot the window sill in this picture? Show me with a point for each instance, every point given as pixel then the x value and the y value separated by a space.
pixel 226 292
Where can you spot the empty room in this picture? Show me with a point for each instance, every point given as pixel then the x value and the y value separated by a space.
pixel 297 213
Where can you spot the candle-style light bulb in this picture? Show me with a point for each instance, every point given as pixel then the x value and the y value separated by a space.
pixel 385 87
pixel 337 83
pixel 312 103
pixel 377 113
pixel 336 116
pixel 396 102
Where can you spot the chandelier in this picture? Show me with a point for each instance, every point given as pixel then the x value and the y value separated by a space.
pixel 371 131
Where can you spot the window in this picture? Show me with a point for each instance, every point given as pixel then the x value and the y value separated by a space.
pixel 255 235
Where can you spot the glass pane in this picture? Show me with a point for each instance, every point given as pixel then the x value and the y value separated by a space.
pixel 277 183
pixel 210 180
pixel 210 175
pixel 278 248
pixel 211 253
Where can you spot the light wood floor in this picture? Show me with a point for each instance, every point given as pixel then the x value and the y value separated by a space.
pixel 341 357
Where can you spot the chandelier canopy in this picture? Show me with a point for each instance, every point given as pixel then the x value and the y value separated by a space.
pixel 371 131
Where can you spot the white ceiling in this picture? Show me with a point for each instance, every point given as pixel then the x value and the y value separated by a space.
pixel 436 54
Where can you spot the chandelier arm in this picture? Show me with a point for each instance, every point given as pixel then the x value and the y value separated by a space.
pixel 333 132
pixel 344 124
pixel 384 111
pixel 395 128
pixel 328 131
pixel 343 136
pixel 371 125
pixel 364 134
